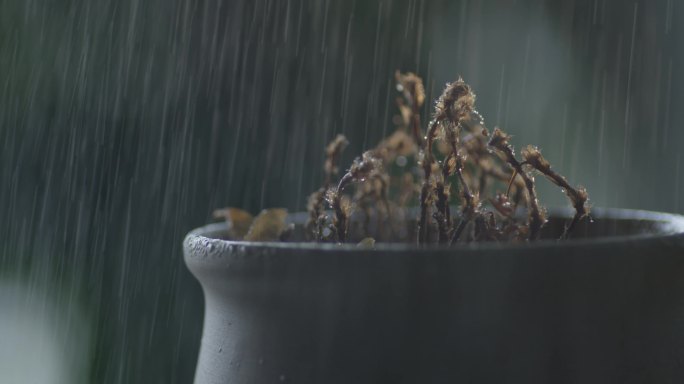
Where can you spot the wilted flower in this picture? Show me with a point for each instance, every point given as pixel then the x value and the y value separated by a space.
pixel 456 102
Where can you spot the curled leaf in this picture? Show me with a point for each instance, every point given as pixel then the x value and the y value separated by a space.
pixel 269 225
pixel 238 221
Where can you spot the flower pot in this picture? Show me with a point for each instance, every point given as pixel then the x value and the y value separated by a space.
pixel 607 307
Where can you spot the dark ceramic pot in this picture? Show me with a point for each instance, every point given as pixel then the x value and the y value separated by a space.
pixel 608 308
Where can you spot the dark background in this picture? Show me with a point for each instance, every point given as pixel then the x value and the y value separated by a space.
pixel 124 123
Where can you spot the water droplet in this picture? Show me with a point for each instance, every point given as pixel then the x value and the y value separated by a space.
pixel 220 349
pixel 261 361
pixel 401 161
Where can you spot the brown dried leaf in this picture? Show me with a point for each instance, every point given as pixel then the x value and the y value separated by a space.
pixel 269 225
pixel 367 242
pixel 238 221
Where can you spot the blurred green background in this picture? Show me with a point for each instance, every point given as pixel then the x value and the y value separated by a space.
pixel 124 123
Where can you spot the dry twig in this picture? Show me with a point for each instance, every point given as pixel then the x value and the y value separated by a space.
pixel 499 141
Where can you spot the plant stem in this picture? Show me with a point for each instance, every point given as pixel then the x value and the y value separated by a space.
pixel 499 141
pixel 578 197
pixel 425 190
pixel 469 204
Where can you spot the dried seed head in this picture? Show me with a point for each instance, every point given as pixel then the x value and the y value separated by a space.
pixel 364 166
pixel 411 86
pixel 456 102
pixel 499 139
pixel 532 155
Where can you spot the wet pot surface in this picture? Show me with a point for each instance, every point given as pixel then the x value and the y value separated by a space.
pixel 608 308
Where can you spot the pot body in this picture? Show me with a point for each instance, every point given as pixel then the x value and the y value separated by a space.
pixel 575 312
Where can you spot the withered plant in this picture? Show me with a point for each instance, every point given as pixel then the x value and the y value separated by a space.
pixel 472 159
pixel 456 153
pixel 316 202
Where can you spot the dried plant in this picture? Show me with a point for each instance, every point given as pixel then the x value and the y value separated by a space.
pixel 536 219
pixel 316 202
pixel 578 197
pixel 454 105
pixel 457 148
pixel 363 168
pixel 413 91
pixel 332 156
pixel 269 225
pixel 238 221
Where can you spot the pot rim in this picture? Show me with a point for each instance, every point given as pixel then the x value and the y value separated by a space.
pixel 669 227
